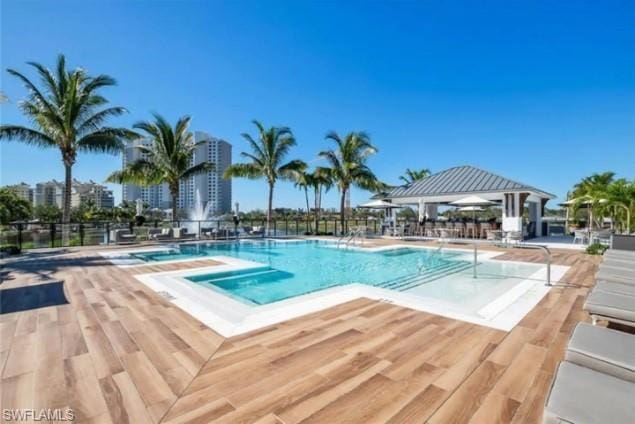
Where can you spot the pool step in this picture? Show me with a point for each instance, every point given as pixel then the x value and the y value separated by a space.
pixel 429 275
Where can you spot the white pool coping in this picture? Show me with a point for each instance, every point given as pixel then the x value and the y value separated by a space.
pixel 231 317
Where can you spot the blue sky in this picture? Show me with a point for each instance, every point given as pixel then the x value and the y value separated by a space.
pixel 543 93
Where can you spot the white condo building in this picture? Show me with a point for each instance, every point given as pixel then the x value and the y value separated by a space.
pixel 211 185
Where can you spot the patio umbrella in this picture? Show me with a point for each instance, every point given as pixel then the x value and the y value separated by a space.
pixel 474 203
pixel 379 204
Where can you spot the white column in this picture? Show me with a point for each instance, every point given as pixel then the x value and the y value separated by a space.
pixel 539 219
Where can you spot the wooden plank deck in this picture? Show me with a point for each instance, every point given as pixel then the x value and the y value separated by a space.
pixel 118 352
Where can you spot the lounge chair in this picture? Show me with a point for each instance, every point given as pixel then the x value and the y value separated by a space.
pixel 160 234
pixel 620 254
pixel 122 236
pixel 619 263
pixel 611 307
pixel 610 273
pixel 582 395
pixel 615 287
pixel 604 350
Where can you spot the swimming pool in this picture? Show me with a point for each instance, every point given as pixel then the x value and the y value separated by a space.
pixel 290 269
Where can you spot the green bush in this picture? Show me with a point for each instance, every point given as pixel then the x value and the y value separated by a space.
pixel 596 249
pixel 10 249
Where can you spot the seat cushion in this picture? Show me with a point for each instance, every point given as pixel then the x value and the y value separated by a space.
pixel 611 305
pixel 619 263
pixel 615 287
pixel 613 275
pixel 604 350
pixel 625 254
pixel 582 395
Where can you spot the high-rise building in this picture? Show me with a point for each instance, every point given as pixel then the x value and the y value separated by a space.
pixel 211 186
pixel 98 194
pixel 22 190
pixel 49 193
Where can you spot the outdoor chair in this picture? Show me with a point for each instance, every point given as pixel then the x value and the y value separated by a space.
pixel 610 307
pixel 620 254
pixel 604 350
pixel 602 237
pixel 582 395
pixel 615 287
pixel 580 236
pixel 123 236
pixel 484 228
pixel 470 230
pixel 514 237
pixel 494 235
pixel 160 234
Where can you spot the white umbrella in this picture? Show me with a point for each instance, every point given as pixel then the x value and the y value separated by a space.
pixel 472 201
pixel 471 209
pixel 379 204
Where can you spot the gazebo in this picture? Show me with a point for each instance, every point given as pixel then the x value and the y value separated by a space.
pixel 449 186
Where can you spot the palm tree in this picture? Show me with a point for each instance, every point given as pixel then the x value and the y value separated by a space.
pixel 592 192
pixel 320 179
pixel 348 165
pixel 267 157
pixel 66 114
pixel 167 160
pixel 414 175
pixel 303 180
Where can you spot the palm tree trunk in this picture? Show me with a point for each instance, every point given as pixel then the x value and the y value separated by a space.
pixel 316 194
pixel 68 190
pixel 343 210
pixel 308 209
pixel 269 208
pixel 175 198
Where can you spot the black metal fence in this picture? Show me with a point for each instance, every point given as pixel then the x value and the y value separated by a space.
pixel 48 235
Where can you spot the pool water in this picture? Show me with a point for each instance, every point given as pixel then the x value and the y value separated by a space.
pixel 291 269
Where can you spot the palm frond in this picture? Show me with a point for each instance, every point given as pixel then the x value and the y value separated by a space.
pixel 197 169
pixel 26 135
pixel 243 170
pixel 291 170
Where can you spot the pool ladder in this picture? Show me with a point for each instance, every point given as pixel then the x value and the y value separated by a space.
pixel 353 234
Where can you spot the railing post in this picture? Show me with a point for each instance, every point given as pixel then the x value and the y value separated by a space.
pixel 335 228
pixel 199 229
pixel 275 227
pixel 297 230
pixel 20 237
pixel 107 232
pixel 81 234
pixel 475 259
pixel 52 233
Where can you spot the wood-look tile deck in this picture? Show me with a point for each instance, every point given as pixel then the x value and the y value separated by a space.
pixel 118 352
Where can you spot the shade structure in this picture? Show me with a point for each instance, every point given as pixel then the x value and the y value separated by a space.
pixel 379 204
pixel 473 201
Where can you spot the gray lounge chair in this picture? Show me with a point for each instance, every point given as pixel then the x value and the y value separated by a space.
pixel 623 254
pixel 615 274
pixel 122 236
pixel 619 263
pixel 615 287
pixel 611 307
pixel 582 395
pixel 160 234
pixel 604 350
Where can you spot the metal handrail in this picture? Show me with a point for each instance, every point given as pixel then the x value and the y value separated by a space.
pixel 545 250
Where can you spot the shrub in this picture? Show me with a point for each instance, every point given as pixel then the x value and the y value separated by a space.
pixel 596 249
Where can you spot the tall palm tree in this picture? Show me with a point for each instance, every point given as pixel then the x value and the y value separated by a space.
pixel 66 113
pixel 592 192
pixel 348 165
pixel 167 160
pixel 303 180
pixel 320 180
pixel 413 175
pixel 267 160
